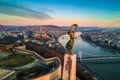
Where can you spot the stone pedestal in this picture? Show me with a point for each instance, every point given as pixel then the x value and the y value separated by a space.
pixel 69 68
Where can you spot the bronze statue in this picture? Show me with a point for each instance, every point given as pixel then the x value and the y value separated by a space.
pixel 70 43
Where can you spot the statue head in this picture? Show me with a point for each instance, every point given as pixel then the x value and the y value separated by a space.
pixel 74 25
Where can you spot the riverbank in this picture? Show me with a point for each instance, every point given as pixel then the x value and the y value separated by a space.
pixel 105 46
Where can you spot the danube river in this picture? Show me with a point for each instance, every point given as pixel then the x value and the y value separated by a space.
pixel 109 69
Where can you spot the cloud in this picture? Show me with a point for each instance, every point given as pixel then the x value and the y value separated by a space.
pixel 17 10
pixel 116 23
pixel 118 14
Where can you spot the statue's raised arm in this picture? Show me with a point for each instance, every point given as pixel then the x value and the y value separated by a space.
pixel 70 43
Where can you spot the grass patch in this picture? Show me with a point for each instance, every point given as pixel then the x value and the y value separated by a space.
pixel 16 60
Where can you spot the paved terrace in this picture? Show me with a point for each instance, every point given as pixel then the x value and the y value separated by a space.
pixel 55 64
pixel 5 73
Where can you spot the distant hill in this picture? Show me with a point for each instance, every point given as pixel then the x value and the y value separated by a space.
pixel 48 26
pixel 91 28
pixel 3 27
pixel 8 27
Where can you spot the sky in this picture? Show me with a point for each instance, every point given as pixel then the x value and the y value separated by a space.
pixel 101 13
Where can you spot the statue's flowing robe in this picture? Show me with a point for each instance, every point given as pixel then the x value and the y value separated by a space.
pixel 70 43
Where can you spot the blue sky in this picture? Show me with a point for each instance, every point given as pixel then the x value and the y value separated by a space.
pixel 91 12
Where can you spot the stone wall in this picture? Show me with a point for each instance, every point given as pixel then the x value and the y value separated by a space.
pixel 4 48
pixel 54 75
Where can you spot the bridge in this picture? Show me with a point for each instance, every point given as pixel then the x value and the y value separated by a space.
pixel 100 57
pixel 95 57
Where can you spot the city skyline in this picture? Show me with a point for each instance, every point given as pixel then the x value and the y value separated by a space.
pixel 102 13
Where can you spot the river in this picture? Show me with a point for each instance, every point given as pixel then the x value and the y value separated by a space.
pixel 108 70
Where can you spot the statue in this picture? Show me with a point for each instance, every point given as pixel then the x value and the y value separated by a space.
pixel 70 43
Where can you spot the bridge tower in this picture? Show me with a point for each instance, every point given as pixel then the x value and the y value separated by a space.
pixel 80 55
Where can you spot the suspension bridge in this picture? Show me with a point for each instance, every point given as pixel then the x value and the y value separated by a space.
pixel 94 57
